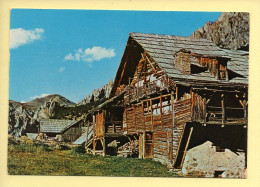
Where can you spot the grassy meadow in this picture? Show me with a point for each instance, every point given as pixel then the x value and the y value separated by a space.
pixel 33 159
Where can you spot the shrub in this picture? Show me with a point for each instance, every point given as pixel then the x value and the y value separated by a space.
pixel 79 149
pixel 29 148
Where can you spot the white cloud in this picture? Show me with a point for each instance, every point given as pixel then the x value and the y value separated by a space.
pixel 20 36
pixel 61 69
pixel 69 57
pixel 23 101
pixel 95 53
pixel 40 96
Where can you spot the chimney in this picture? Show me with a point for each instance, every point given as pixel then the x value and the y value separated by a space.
pixel 182 61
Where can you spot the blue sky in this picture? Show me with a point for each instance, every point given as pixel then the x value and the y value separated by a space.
pixel 73 52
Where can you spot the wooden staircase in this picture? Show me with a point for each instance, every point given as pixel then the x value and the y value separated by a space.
pixel 89 140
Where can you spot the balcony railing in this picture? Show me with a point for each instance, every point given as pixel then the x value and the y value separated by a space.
pixel 134 93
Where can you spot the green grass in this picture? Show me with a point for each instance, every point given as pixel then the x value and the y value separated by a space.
pixel 32 160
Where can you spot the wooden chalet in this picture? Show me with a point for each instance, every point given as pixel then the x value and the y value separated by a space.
pixel 61 130
pixel 180 101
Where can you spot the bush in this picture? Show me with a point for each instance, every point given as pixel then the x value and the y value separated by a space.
pixel 79 149
pixel 62 147
pixel 29 148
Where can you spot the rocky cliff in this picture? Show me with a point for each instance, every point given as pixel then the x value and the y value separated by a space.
pixel 230 31
pixel 102 93
pixel 24 117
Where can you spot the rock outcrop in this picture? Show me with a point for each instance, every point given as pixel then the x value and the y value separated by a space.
pixel 24 117
pixel 102 93
pixel 230 31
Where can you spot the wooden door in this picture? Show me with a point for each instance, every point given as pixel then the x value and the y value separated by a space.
pixel 148 145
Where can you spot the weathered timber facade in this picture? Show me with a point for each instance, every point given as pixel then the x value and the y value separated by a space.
pixel 178 100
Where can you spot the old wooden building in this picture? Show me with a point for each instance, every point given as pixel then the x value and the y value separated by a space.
pixel 61 130
pixel 180 101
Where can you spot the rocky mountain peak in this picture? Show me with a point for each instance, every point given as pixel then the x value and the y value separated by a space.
pixel 101 93
pixel 230 31
pixel 24 117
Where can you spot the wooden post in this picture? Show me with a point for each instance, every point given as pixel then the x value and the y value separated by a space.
pixel 186 147
pixel 161 110
pixel 176 90
pixel 172 102
pixel 223 109
pixel 204 110
pixel 245 110
pixel 143 146
pixel 114 130
pixel 94 126
pixel 104 146
pixel 94 147
pixel 226 71
pixel 151 103
pixel 104 122
pixel 140 145
pixel 134 117
pixel 143 114
pixel 147 111
pixel 137 88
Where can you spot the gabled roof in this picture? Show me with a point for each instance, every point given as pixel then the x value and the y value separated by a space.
pixel 163 47
pixel 55 125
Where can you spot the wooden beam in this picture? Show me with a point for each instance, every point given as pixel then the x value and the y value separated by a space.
pixel 151 64
pixel 147 103
pixel 123 70
pixel 204 110
pixel 217 90
pixel 186 147
pixel 245 109
pixel 151 103
pixel 137 89
pixel 134 120
pixel 94 147
pixel 148 61
pixel 177 90
pixel 223 109
pixel 129 139
pixel 161 111
pixel 143 113
pixel 143 146
pixel 140 145
pixel 104 146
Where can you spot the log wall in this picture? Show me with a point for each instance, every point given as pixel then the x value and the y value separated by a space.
pixel 156 116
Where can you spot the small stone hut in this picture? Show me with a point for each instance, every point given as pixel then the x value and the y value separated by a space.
pixel 61 130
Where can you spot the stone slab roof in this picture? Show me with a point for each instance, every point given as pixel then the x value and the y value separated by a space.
pixel 163 47
pixel 55 125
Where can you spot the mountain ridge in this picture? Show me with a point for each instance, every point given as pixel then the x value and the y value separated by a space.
pixel 230 31
pixel 24 117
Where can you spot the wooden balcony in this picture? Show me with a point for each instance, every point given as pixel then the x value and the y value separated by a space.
pixel 134 93
pixel 220 116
